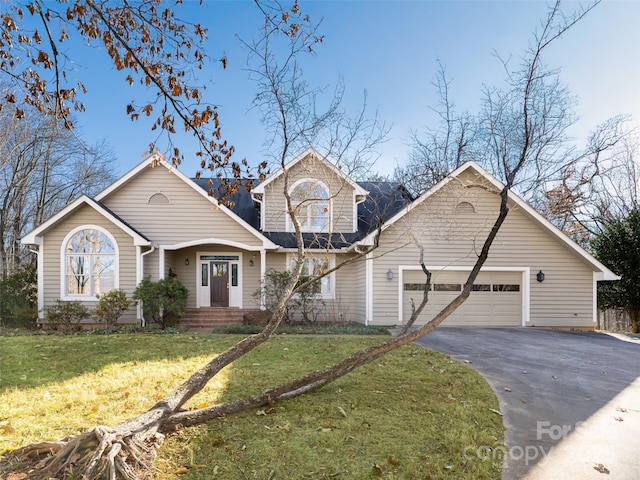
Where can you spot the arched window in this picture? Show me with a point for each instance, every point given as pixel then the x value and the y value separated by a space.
pixel 90 264
pixel 311 204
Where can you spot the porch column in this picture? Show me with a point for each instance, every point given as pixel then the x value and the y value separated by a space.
pixel 161 263
pixel 263 272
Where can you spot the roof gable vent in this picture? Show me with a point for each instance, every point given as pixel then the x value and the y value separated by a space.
pixel 158 199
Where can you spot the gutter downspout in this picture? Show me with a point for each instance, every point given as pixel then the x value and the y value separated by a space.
pixel 368 295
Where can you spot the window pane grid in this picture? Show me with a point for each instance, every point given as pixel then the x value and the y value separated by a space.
pixel 90 263
pixel 314 267
pixel 311 206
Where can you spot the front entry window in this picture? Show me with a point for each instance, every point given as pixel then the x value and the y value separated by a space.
pixel 205 275
pixel 89 263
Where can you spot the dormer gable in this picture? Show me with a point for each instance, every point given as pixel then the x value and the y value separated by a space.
pixel 325 198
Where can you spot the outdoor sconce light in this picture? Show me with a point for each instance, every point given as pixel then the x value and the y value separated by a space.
pixel 540 276
pixel 389 275
pixel 251 262
pixel 186 262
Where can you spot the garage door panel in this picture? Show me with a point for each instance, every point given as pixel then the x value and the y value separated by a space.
pixel 495 301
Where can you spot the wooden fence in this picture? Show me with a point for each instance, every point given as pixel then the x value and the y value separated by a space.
pixel 614 320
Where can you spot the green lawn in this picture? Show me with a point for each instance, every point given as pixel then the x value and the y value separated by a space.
pixel 412 414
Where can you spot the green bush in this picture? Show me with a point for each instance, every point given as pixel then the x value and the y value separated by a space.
pixel 111 306
pixel 19 299
pixel 165 300
pixel 65 314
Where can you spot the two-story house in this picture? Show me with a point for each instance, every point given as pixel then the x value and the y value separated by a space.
pixel 155 220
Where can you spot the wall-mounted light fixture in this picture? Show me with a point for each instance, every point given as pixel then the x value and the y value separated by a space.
pixel 251 262
pixel 186 262
pixel 540 276
pixel 389 274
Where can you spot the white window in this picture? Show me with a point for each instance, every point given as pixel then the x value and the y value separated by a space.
pixel 89 262
pixel 315 266
pixel 312 206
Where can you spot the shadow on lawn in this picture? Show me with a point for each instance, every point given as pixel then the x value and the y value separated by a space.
pixel 33 361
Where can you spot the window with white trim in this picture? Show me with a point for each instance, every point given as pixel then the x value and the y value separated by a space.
pixel 315 266
pixel 312 206
pixel 89 257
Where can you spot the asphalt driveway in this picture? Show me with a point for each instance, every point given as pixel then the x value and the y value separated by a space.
pixel 570 400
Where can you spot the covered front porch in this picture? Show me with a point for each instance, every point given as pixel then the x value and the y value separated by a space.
pixel 220 275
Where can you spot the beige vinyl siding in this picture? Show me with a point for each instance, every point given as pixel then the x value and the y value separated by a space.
pixel 453 239
pixel 350 302
pixel 151 265
pixel 276 261
pixel 250 280
pixel 360 286
pixel 188 216
pixel 169 263
pixel 341 194
pixel 185 273
pixel 53 239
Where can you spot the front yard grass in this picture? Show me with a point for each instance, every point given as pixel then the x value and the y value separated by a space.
pixel 412 414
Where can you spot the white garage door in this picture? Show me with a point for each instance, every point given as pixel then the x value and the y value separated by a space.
pixel 495 300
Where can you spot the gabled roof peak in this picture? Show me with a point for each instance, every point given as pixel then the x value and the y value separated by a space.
pixel 313 153
pixel 158 160
pixel 534 215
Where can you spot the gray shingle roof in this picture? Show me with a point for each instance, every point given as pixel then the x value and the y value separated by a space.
pixel 385 199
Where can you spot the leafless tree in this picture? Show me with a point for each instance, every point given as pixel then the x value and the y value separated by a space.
pixel 598 189
pixel 443 148
pixel 43 166
pixel 562 180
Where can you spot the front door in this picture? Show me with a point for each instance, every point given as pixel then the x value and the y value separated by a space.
pixel 219 284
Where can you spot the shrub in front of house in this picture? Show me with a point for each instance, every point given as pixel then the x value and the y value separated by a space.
pixel 165 301
pixel 111 306
pixel 65 315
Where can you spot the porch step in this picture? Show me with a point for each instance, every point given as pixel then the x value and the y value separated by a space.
pixel 209 317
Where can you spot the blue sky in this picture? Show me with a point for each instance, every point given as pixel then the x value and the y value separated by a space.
pixel 391 50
